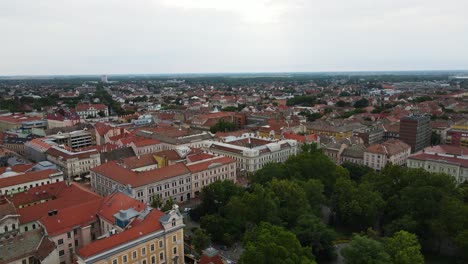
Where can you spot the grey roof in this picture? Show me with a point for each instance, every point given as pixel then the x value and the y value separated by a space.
pixel 355 151
pixel 126 214
pixel 175 141
pixel 116 154
pixel 24 245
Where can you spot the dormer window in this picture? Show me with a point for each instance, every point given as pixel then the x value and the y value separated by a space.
pixel 173 222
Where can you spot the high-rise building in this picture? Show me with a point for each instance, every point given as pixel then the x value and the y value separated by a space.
pixel 104 78
pixel 415 130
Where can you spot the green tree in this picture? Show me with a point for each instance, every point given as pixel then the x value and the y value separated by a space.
pixel 291 198
pixel 311 231
pixel 357 204
pixel 404 248
pixel 217 195
pixel 364 250
pixel 223 126
pixel 167 205
pixel 156 201
pixel 268 243
pixel 200 240
pixel 363 102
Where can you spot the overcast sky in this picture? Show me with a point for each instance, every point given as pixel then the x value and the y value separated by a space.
pixel 185 36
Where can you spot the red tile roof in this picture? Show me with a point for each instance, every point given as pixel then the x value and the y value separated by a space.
pixel 58 152
pixel 389 147
pixel 204 165
pixel 115 202
pixel 85 107
pixel 432 157
pixel 216 259
pixel 65 196
pixel 139 161
pixel 146 142
pixel 79 215
pixel 199 156
pixel 17 168
pixel 139 229
pixel 39 144
pixel 26 177
pixel 300 138
pixel 118 173
pixel 18 118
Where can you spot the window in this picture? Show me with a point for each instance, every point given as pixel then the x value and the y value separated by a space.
pixel 25 228
pixel 76 242
pixel 124 259
pixel 143 251
pixel 152 247
pixel 153 260
pixel 160 244
pixel 144 261
pixel 173 222
pixel 134 255
pixel 114 261
pixel 34 226
pixel 60 241
pixel 174 250
pixel 174 239
pixel 161 256
pixel 61 253
pixel 68 235
pixel 70 245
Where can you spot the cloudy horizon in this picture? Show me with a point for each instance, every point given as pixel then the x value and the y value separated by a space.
pixel 53 37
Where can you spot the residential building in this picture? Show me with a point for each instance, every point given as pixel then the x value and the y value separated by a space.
pixel 170 182
pixel 85 110
pixel 393 151
pixel 13 182
pixel 9 220
pixel 252 153
pixel 38 202
pixel 457 135
pixel 415 130
pixel 78 226
pixel 31 247
pixel 75 140
pixel 371 135
pixel 338 131
pixel 74 164
pixel 64 119
pixel 207 169
pixel 353 154
pixel 16 121
pixel 152 237
pixel 447 159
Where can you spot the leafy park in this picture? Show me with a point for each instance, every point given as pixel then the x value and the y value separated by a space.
pixel 297 211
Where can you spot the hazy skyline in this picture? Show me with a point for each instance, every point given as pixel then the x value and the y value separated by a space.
pixel 196 36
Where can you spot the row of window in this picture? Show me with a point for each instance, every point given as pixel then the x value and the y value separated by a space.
pixel 134 255
pixel 25 187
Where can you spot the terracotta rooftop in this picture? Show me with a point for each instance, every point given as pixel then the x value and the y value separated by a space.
pixel 115 202
pixel 123 175
pixel 85 107
pixel 82 214
pixel 17 168
pixel 18 118
pixel 64 197
pixel 26 177
pixel 204 165
pixel 139 161
pixel 389 147
pixel 139 229
pixel 439 158
pixel 66 155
